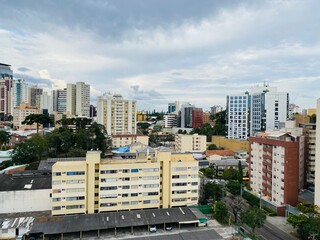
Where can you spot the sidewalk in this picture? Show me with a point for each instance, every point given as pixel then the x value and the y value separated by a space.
pixel 282 224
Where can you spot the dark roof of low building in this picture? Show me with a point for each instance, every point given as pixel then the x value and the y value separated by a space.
pixel 190 235
pixel 25 182
pixel 89 222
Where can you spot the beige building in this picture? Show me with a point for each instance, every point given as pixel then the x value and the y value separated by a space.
pixel 190 143
pixel 21 112
pixel 124 140
pixel 160 180
pixel 78 99
pixel 230 144
pixel 317 159
pixel 119 116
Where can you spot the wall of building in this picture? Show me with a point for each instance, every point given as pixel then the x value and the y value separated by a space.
pixel 190 143
pixel 230 144
pixel 317 163
pixel 124 140
pixel 25 201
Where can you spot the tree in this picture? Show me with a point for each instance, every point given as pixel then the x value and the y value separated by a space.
pixel 4 138
pixel 212 147
pixel 37 119
pixel 230 174
pixel 208 172
pixel 234 187
pixel 213 192
pixel 40 145
pixel 220 212
pixel 253 217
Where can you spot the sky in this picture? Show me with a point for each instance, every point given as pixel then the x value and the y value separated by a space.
pixel 159 51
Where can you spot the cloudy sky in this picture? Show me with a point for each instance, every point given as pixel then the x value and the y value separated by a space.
pixel 157 51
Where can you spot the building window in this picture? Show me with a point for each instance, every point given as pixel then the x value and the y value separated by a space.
pixel 75 173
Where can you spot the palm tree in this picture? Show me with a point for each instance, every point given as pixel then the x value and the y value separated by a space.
pixel 4 138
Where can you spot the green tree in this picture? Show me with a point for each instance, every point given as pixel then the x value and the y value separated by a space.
pixel 213 192
pixel 37 119
pixel 220 212
pixel 230 174
pixel 253 217
pixel 212 147
pixel 40 145
pixel 234 187
pixel 208 172
pixel 4 138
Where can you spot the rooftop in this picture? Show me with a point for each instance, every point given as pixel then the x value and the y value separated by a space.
pixel 24 222
pixel 18 182
pixel 89 222
pixel 219 152
pixel 230 162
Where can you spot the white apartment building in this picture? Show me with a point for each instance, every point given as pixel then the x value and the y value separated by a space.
pixel 19 93
pixel 169 120
pixel 237 114
pixel 46 102
pixel 78 99
pixel 119 116
pixel 190 143
pixel 59 97
pixel 100 185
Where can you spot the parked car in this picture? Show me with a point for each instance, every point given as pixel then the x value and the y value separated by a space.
pixel 153 228
pixel 169 227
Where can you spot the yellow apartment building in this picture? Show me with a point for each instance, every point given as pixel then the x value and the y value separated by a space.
pixel 160 180
pixel 190 143
pixel 21 112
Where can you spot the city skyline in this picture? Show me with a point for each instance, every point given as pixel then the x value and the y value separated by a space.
pixel 159 52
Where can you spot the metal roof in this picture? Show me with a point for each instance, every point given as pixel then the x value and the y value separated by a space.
pixel 88 222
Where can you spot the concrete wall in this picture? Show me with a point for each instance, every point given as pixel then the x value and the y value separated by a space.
pixel 230 144
pixel 25 201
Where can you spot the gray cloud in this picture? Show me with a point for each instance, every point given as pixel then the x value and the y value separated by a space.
pixel 23 69
pixel 158 51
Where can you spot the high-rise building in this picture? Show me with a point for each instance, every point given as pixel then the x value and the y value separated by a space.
pixel 197 117
pixel 238 116
pixel 116 114
pixel 277 166
pixel 185 115
pixel 46 102
pixel 78 99
pixel 317 162
pixel 309 130
pixel 5 90
pixel 154 180
pixel 5 71
pixel 19 93
pixel 34 93
pixel 173 107
pixel 216 109
pixel 59 98
pixel 262 109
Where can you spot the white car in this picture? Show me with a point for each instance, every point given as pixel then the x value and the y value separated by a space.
pixel 153 228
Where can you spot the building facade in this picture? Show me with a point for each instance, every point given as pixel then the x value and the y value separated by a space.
pixel 276 163
pixel 197 118
pixel 317 160
pixel 95 185
pixel 21 112
pixel 169 120
pixel 59 98
pixel 78 99
pixel 238 117
pixel 125 140
pixel 116 114
pixel 190 143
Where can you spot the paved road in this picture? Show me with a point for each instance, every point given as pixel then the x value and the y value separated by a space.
pixel 268 231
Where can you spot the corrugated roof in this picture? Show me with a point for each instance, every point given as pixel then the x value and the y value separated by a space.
pixel 88 222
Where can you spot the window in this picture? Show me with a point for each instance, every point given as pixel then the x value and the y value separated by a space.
pixel 56 182
pixel 75 198
pixel 57 208
pixel 179 184
pixel 73 190
pixel 150 177
pixel 108 180
pixel 134 194
pixel 150 185
pixel 75 206
pixel 108 204
pixel 134 170
pixel 194 183
pixel 75 181
pixel 75 173
pixel 126 187
pixel 150 193
pixel 56 174
pixel 109 188
pixel 56 199
pixel 109 171
pixel 108 196
pixel 151 170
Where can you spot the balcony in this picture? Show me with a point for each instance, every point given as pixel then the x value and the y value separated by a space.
pixel 265 170
pixel 266 156
pixel 265 178
pixel 267 149
pixel 266 193
pixel 265 185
